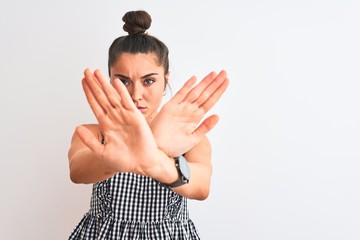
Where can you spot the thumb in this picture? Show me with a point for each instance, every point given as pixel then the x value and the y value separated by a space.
pixel 208 124
pixel 88 138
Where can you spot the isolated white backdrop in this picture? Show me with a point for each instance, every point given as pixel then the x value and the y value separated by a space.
pixel 286 150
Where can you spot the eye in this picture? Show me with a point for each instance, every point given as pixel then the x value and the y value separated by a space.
pixel 149 81
pixel 125 82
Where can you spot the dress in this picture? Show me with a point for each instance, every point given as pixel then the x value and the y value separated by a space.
pixel 132 206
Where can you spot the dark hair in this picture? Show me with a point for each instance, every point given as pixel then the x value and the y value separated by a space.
pixel 137 40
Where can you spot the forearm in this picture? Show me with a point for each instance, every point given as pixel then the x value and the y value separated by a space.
pixel 199 184
pixel 86 168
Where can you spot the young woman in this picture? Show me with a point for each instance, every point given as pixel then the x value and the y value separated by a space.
pixel 144 163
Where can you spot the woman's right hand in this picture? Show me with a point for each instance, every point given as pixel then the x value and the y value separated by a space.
pixel 129 143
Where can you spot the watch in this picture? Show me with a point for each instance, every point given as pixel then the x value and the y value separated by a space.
pixel 183 170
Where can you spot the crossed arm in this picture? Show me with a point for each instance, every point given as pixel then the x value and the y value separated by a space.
pixel 132 145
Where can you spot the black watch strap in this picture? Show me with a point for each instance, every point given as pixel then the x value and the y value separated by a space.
pixel 183 171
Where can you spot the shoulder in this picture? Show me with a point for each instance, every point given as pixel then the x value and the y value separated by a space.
pixel 201 151
pixel 204 143
pixel 77 143
pixel 93 128
pixel 90 125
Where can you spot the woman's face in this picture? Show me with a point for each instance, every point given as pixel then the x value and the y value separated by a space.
pixel 143 78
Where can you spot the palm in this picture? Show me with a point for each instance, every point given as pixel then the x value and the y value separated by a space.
pixel 128 138
pixel 177 127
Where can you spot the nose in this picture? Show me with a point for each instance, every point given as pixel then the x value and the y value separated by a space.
pixel 137 92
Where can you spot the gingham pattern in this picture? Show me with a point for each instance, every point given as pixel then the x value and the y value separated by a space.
pixel 131 206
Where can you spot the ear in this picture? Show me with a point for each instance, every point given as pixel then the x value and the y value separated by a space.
pixel 167 75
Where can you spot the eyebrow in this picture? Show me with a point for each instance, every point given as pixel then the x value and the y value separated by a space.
pixel 126 77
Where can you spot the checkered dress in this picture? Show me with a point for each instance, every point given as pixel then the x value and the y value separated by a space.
pixel 131 206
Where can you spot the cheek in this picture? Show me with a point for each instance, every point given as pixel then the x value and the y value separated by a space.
pixel 155 96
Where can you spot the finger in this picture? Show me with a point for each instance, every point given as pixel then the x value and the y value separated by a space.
pixel 181 94
pixel 94 105
pixel 208 124
pixel 211 88
pixel 212 100
pixel 125 98
pixel 97 90
pixel 196 91
pixel 111 94
pixel 88 138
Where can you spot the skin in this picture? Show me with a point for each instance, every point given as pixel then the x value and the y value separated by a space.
pixel 139 138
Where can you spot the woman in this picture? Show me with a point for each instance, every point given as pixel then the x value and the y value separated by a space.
pixel 143 163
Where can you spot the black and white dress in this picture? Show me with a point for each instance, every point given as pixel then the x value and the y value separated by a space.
pixel 131 206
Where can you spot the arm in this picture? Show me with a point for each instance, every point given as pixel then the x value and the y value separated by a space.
pixel 199 160
pixel 84 165
pixel 177 130
pixel 129 142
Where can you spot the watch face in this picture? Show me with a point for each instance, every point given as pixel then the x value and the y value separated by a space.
pixel 184 168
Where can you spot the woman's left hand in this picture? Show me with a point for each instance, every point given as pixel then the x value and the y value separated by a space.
pixel 177 127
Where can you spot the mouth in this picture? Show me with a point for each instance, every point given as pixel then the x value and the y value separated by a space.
pixel 141 108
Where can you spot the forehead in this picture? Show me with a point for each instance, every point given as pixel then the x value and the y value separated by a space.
pixel 138 61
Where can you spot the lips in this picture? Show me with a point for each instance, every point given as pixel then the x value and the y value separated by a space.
pixel 141 108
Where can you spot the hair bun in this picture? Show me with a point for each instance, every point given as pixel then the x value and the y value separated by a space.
pixel 136 22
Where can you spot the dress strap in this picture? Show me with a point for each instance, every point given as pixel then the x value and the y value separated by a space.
pixel 102 139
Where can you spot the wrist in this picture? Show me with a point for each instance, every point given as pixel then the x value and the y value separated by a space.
pixel 163 169
pixel 183 170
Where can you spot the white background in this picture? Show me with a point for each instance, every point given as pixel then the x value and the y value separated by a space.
pixel 286 150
